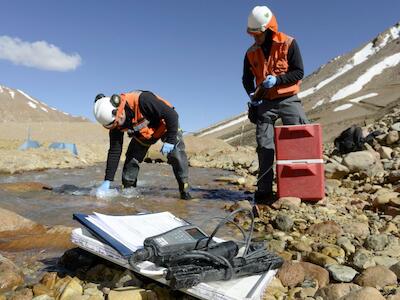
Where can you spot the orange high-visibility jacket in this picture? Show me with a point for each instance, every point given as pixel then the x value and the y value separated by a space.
pixel 139 123
pixel 276 64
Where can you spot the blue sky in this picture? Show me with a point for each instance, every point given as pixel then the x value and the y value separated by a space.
pixel 189 52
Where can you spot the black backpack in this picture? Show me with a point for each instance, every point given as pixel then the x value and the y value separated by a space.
pixel 352 139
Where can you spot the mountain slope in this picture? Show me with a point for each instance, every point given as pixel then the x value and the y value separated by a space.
pixel 17 106
pixel 349 89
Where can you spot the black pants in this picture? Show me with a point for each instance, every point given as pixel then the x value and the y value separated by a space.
pixel 291 112
pixel 136 153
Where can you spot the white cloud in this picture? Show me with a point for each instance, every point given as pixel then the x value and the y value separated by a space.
pixel 38 54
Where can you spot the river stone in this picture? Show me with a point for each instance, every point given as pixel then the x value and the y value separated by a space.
pixel 300 246
pixel 22 294
pixel 385 261
pixel 359 161
pixel 376 242
pixel 392 137
pixel 315 272
pixel 335 252
pixel 342 273
pixel 396 269
pixel 321 259
pixel 131 293
pixel 378 276
pixel 10 221
pixel 394 297
pixel 43 297
pixel 363 294
pixel 283 222
pixel 325 228
pixel 10 275
pixel 287 202
pixel 357 229
pixel 346 244
pixel 363 259
pixel 385 152
pixel 334 170
pixel 395 126
pixel 336 291
pixel 291 273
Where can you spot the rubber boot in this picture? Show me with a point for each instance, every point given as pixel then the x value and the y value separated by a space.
pixel 184 191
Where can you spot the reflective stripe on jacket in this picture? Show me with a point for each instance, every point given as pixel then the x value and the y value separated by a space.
pixel 276 64
pixel 139 123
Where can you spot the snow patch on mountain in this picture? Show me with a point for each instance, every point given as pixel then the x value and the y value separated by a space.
pixel 377 69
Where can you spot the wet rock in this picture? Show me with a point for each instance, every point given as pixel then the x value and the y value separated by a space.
pixel 283 222
pixel 336 291
pixel 291 273
pixel 314 272
pixel 24 187
pixel 10 275
pixel 342 273
pixel 376 242
pixel 377 276
pixel 287 202
pixel 325 228
pixel 11 222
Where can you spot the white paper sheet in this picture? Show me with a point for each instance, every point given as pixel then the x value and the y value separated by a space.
pixel 132 230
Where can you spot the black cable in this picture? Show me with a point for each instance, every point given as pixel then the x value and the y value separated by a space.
pixel 198 254
pixel 226 219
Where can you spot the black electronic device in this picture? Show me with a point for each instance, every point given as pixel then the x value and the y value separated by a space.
pixel 160 248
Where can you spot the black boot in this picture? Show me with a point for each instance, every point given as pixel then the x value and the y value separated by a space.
pixel 266 198
pixel 184 191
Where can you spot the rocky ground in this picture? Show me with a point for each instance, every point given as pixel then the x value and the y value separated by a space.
pixel 345 246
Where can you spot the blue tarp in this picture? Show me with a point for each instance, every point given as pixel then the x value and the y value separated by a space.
pixel 29 144
pixel 68 146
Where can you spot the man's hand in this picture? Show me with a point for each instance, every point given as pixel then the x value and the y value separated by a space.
pixel 167 148
pixel 269 82
pixel 104 187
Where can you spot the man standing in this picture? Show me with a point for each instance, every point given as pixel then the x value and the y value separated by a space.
pixel 272 71
pixel 146 118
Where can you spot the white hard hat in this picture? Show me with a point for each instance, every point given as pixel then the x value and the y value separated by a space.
pixel 258 19
pixel 104 111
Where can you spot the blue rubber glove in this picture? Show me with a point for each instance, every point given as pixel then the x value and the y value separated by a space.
pixel 269 82
pixel 104 187
pixel 167 148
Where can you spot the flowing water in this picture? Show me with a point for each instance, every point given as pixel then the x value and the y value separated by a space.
pixel 73 190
